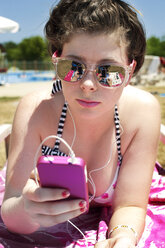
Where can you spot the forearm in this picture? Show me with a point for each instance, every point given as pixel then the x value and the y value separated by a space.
pixel 133 217
pixel 15 217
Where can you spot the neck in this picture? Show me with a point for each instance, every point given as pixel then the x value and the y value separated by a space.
pixel 94 128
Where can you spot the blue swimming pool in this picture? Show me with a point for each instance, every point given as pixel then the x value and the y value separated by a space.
pixel 28 76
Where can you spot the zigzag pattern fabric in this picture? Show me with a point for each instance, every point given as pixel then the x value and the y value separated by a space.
pixel 55 151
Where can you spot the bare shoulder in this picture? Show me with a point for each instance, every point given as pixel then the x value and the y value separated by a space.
pixel 139 104
pixel 140 119
pixel 38 101
pixel 33 121
pixel 35 110
pixel 140 116
pixel 33 100
pixel 137 95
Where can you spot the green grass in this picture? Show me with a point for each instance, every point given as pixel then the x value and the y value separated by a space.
pixel 8 106
pixel 9 99
pixel 7 109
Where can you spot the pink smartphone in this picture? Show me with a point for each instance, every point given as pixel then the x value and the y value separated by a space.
pixel 60 172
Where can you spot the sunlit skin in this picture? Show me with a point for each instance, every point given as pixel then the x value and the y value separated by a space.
pixel 89 89
pixel 140 124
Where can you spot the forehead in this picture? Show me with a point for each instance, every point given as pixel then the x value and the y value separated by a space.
pixel 95 47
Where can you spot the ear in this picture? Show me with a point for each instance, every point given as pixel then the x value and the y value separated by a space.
pixel 54 56
pixel 132 68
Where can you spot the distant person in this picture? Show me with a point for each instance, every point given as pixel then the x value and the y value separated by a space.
pixel 162 65
pixel 162 69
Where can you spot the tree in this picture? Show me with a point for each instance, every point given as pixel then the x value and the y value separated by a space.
pixel 29 49
pixel 10 45
pixel 156 46
pixel 153 46
pixel 12 51
pixel 33 48
pixel 162 49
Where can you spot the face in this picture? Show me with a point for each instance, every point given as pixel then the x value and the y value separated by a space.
pixel 86 97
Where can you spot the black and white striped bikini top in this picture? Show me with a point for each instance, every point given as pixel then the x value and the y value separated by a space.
pixel 105 198
pixel 55 150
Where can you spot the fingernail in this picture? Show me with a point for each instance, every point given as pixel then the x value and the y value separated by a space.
pixel 82 204
pixel 82 210
pixel 65 193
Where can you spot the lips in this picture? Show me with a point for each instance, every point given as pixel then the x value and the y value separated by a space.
pixel 87 103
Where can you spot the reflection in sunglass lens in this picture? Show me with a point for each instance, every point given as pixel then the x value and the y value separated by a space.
pixel 110 75
pixel 107 75
pixel 69 70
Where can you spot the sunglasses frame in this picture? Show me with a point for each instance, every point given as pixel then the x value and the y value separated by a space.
pixel 129 69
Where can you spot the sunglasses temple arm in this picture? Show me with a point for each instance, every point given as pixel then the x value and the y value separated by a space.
pixel 55 65
pixel 130 74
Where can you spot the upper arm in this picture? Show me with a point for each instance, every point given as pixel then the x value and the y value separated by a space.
pixel 24 141
pixel 139 158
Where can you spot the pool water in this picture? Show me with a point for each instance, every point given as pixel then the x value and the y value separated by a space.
pixel 28 76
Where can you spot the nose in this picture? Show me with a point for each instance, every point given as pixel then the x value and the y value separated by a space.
pixel 89 83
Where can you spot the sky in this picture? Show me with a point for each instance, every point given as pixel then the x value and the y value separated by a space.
pixel 33 14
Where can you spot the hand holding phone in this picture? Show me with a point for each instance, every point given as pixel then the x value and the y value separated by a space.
pixel 63 172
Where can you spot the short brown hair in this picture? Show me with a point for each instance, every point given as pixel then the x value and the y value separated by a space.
pixel 96 16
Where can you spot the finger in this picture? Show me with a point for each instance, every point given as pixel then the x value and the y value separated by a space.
pixel 39 194
pixel 32 175
pixel 57 207
pixel 47 220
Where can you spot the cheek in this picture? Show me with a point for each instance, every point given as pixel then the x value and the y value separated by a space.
pixel 65 90
pixel 113 95
pixel 118 92
pixel 68 90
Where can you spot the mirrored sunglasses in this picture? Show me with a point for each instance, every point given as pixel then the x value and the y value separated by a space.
pixel 108 75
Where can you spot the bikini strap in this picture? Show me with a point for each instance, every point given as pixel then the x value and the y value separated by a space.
pixel 118 134
pixel 57 86
pixel 61 125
